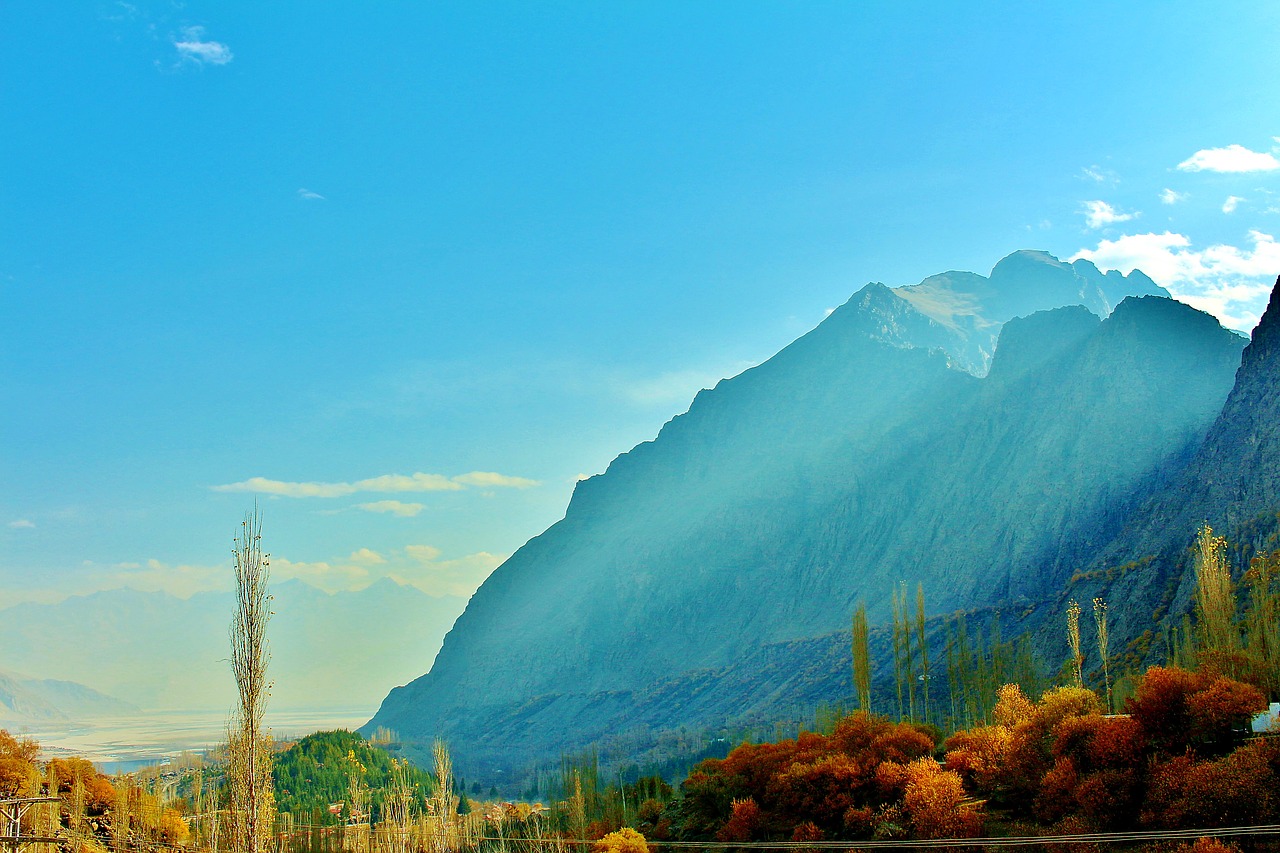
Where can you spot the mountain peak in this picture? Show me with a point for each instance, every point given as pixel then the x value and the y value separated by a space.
pixel 1266 335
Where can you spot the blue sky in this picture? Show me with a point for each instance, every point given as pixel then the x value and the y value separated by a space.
pixel 404 271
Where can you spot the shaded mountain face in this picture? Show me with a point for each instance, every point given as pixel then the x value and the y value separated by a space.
pixel 858 457
pixel 1231 483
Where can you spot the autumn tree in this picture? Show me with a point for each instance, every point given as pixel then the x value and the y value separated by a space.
pixel 1215 600
pixel 1073 642
pixel 1262 622
pixel 1104 636
pixel 861 658
pixel 625 840
pixel 923 645
pixel 248 742
pixel 18 773
pixel 934 802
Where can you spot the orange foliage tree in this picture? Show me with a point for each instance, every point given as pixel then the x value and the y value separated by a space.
pixel 18 771
pixel 853 783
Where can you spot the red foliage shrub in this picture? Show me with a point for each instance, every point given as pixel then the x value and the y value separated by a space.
pixel 743 824
pixel 1179 709
pixel 807 831
pixel 821 791
pixel 1057 796
pixel 1236 790
pixel 1206 845
pixel 859 821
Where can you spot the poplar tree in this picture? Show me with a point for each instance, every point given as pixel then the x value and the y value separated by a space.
pixel 1100 620
pixel 862 658
pixel 1073 640
pixel 923 645
pixel 1262 624
pixel 248 742
pixel 1215 599
pixel 899 666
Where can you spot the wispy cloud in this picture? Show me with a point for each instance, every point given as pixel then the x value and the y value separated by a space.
pixel 1168 196
pixel 22 523
pixel 488 479
pixel 1232 202
pixel 1098 174
pixel 1230 282
pixel 418 565
pixel 331 577
pixel 307 195
pixel 404 510
pixel 367 557
pixel 193 47
pixel 1099 214
pixel 419 482
pixel 1233 158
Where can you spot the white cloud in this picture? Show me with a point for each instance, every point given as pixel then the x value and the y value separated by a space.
pixel 1169 196
pixel 423 553
pixel 1099 214
pixel 367 557
pixel 1227 281
pixel 404 510
pixel 22 523
pixel 330 577
pixel 307 195
pixel 263 486
pixel 1232 202
pixel 493 479
pixel 1233 158
pixel 419 482
pixel 194 48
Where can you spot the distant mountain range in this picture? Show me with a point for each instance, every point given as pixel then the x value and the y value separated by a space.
pixel 24 701
pixel 162 652
pixel 1001 439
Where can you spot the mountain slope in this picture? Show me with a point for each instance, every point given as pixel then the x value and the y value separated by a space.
pixel 28 700
pixel 1232 483
pixel 853 459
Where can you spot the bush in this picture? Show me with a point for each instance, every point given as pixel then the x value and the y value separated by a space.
pixel 625 840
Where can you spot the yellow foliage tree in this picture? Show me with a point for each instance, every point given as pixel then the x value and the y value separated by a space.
pixel 625 840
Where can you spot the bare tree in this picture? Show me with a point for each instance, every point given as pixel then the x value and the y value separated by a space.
pixel 248 742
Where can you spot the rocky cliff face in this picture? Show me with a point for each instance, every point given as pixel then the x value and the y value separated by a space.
pixel 859 456
pixel 1232 482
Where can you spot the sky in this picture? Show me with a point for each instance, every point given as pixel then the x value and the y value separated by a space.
pixel 402 273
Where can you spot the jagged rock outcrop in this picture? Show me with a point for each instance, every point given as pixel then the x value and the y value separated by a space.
pixel 867 452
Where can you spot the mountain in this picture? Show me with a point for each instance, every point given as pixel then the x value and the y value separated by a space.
pixel 163 652
pixel 24 701
pixel 878 448
pixel 1232 483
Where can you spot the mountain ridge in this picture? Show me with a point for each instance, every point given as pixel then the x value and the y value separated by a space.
pixel 864 453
